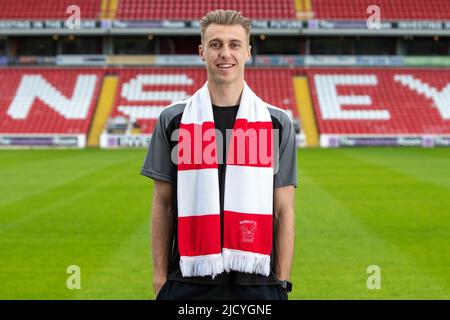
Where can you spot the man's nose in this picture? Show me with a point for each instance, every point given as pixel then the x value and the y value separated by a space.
pixel 224 52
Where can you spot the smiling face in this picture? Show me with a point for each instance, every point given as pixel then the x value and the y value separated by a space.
pixel 225 49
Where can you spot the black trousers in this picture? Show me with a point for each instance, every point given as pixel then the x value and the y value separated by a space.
pixel 176 290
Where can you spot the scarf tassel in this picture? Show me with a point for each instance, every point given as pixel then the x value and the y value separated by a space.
pixel 209 265
pixel 248 262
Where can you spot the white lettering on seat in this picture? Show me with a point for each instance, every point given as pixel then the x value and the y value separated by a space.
pixel 141 112
pixel 133 90
pixel 441 99
pixel 331 103
pixel 33 87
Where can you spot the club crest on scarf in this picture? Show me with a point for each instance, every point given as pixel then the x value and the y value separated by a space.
pixel 248 229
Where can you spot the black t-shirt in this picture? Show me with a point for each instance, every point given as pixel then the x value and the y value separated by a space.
pixel 155 166
pixel 224 118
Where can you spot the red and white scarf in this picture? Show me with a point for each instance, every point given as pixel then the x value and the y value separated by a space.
pixel 248 198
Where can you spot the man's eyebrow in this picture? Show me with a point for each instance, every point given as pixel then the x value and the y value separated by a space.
pixel 220 40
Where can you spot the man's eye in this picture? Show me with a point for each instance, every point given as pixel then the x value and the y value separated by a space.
pixel 235 45
pixel 214 45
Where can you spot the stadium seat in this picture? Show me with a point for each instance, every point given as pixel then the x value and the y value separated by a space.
pixel 390 10
pixel 47 9
pixel 195 9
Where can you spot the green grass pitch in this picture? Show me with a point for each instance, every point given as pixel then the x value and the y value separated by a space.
pixel 354 208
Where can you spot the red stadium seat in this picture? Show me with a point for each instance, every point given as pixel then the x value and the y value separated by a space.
pixel 195 9
pixel 47 9
pixel 390 9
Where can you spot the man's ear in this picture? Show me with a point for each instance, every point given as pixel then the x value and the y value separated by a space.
pixel 249 52
pixel 200 52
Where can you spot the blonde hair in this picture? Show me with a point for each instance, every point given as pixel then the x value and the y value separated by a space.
pixel 225 17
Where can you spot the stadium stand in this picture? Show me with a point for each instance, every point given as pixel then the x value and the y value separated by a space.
pixel 48 101
pixel 345 101
pixel 47 9
pixel 391 10
pixel 195 9
pixel 381 101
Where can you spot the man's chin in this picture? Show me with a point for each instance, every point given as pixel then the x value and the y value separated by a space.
pixel 224 79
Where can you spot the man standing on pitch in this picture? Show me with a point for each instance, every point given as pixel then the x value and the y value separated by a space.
pixel 224 169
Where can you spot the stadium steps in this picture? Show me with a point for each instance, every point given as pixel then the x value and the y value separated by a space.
pixel 108 9
pixel 305 109
pixel 104 10
pixel 103 110
pixel 303 9
pixel 113 6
